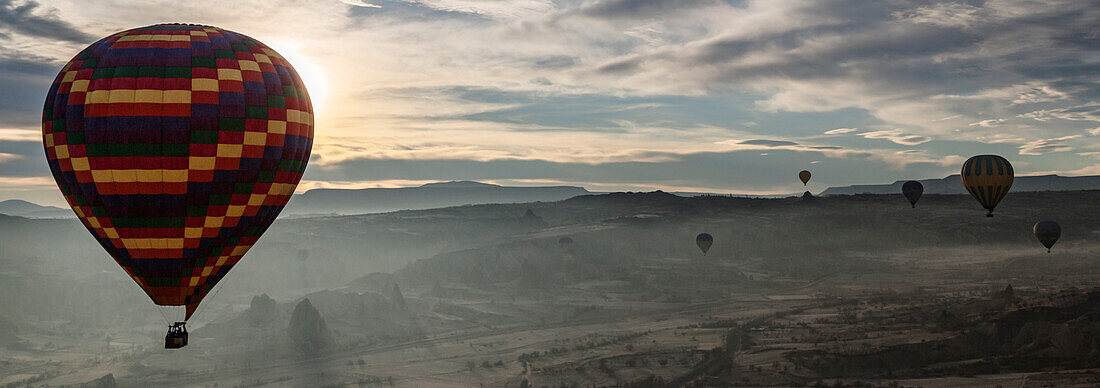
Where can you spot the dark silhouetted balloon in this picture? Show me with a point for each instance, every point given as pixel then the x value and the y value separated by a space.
pixel 565 241
pixel 987 178
pixel 1047 232
pixel 704 241
pixel 177 146
pixel 804 176
pixel 912 191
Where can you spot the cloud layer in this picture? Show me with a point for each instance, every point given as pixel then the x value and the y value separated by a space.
pixel 579 90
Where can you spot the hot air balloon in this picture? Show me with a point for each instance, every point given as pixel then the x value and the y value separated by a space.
pixel 804 176
pixel 177 146
pixel 704 241
pixel 912 191
pixel 1047 232
pixel 987 178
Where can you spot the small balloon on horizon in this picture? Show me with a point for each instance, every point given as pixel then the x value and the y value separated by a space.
pixel 912 191
pixel 1047 232
pixel 704 241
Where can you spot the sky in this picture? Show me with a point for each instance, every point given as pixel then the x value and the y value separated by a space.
pixel 635 95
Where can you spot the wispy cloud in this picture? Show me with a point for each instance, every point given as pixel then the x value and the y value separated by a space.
pixel 840 131
pixel 306 185
pixel 510 9
pixel 361 3
pixel 1084 112
pixel 27 183
pixel 29 17
pixel 1046 146
pixel 20 135
pixel 896 136
pixel 988 123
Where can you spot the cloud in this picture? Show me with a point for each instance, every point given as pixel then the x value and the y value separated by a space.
pixel 592 85
pixel 895 159
pixel 361 3
pixel 896 136
pixel 307 185
pixel 907 65
pixel 1046 146
pixel 20 135
pixel 510 9
pixel 768 143
pixel 6 157
pixel 1084 112
pixel 1000 138
pixel 942 14
pixel 29 18
pixel 27 183
pixel 1083 171
pixel 634 9
pixel 988 123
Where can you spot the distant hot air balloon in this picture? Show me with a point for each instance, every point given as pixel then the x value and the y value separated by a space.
pixel 1047 232
pixel 565 241
pixel 704 241
pixel 987 178
pixel 177 146
pixel 912 191
pixel 804 176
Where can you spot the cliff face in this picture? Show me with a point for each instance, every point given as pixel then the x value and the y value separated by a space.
pixel 262 311
pixel 307 329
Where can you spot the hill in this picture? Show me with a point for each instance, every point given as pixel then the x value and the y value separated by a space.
pixel 428 196
pixel 792 291
pixel 953 185
pixel 20 208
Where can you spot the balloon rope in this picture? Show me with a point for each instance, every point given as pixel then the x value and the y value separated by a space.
pixel 160 309
pixel 218 288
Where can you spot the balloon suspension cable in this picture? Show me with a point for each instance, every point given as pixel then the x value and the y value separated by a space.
pixel 217 288
pixel 160 309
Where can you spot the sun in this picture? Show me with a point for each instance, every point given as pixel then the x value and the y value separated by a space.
pixel 313 75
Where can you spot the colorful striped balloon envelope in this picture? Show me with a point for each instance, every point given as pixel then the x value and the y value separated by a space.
pixel 177 146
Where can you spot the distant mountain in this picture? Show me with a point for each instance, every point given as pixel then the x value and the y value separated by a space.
pixel 20 208
pixel 953 185
pixel 428 196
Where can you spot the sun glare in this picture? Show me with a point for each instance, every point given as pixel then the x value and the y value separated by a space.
pixel 312 74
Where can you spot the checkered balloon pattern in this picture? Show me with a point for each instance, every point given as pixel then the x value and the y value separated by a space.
pixel 177 146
